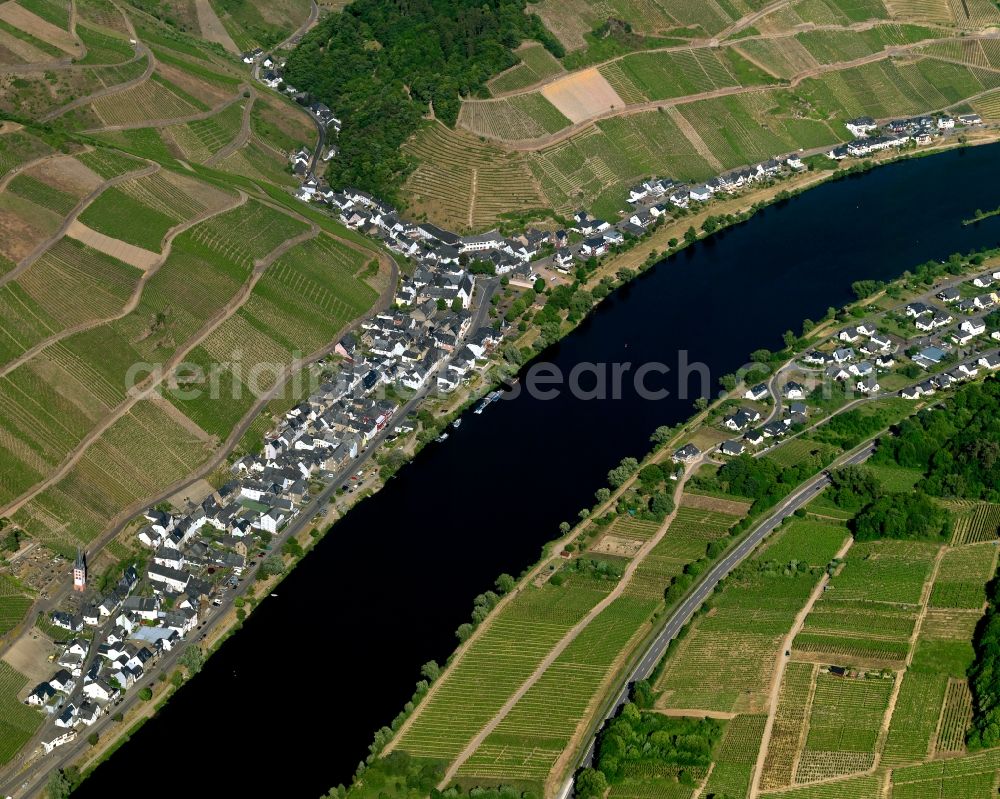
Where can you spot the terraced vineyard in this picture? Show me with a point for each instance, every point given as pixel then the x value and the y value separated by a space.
pixel 537 63
pixel 738 640
pixel 956 716
pixel 14 603
pixel 510 649
pixel 977 522
pixel 17 722
pixel 523 116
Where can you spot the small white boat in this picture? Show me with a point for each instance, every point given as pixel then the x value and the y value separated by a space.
pixel 443 437
pixel 456 424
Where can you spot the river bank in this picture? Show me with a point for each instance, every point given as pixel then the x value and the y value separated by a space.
pixel 406 561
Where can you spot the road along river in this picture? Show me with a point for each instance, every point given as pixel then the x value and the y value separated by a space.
pixel 288 705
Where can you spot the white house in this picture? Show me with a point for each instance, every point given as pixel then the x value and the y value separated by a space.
pixel 757 392
pixel 793 390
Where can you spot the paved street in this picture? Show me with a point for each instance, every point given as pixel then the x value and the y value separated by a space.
pixel 712 578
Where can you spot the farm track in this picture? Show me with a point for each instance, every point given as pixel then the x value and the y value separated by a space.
pixel 140 51
pixel 779 673
pixel 78 209
pixel 118 523
pixel 133 300
pixel 241 138
pixel 149 386
pixel 718 43
pixel 542 142
pixel 163 123
pixel 574 632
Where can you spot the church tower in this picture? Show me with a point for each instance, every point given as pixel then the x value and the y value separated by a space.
pixel 79 573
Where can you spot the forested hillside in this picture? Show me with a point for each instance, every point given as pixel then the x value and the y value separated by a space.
pixel 382 66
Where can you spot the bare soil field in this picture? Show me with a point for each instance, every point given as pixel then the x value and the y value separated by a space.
pixel 68 174
pixel 212 27
pixel 612 544
pixel 23 227
pixel 22 19
pixel 701 502
pixel 208 93
pixel 15 51
pixel 582 95
pixel 29 655
pixel 127 253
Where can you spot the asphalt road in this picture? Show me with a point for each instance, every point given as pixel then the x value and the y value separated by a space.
pixel 704 589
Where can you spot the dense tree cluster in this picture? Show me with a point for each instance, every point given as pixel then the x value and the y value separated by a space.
pixel 382 66
pixel 668 744
pixel 957 446
pixel 902 516
pixel 854 487
pixel 984 676
pixel 760 479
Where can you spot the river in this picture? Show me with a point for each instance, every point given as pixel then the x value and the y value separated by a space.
pixel 288 705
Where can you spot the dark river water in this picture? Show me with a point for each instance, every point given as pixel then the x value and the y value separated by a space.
pixel 288 705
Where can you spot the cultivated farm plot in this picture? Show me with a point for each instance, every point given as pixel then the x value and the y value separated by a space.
pixel 806 541
pixel 300 304
pixel 42 194
pixel 663 75
pixel 150 100
pixel 602 160
pixel 14 603
pixel 245 234
pixel 988 105
pixel 527 742
pixel 201 139
pixel 783 57
pixel 915 718
pixel 970 777
pixel 726 660
pixel 72 283
pixel 860 631
pixel 975 523
pixel 478 683
pixel 922 10
pixel 894 87
pixel 791 453
pixel 19 147
pixel 537 63
pixel 794 700
pixel 962 577
pixel 141 211
pixel 736 757
pixel 866 787
pixel 141 453
pixel 109 163
pixel 463 182
pixel 17 722
pixel 844 722
pixel 522 116
pixel 956 716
